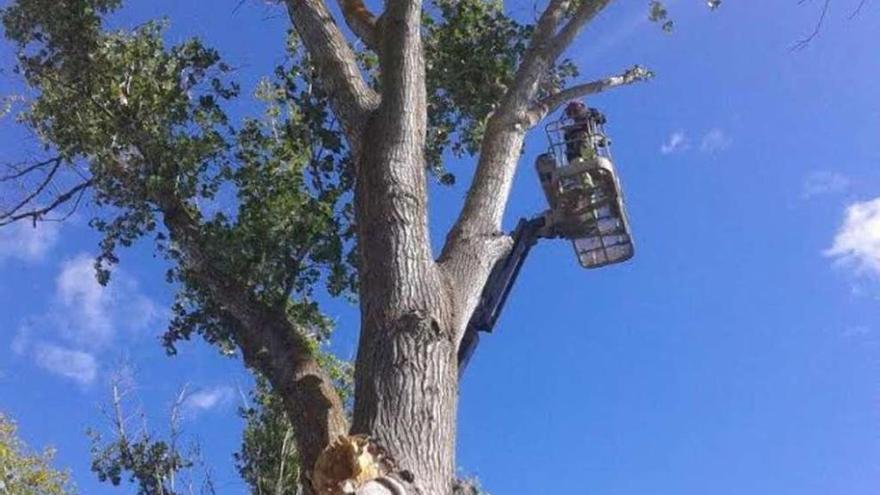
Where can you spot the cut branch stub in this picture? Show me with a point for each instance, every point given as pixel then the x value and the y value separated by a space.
pixel 350 464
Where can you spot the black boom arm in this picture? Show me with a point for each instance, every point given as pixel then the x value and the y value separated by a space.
pixel 498 287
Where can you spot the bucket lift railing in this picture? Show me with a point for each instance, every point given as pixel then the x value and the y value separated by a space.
pixel 593 134
pixel 583 190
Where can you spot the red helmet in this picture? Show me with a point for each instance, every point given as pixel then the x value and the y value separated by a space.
pixel 575 108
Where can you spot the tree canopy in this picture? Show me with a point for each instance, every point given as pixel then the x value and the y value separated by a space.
pixel 23 472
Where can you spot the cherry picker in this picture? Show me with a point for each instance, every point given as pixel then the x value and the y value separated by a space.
pixel 585 206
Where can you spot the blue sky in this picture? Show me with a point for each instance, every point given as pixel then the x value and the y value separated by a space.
pixel 738 352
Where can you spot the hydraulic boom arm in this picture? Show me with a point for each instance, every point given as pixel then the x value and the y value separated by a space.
pixel 498 287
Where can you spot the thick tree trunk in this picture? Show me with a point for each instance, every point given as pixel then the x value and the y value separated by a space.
pixel 406 383
pixel 407 394
pixel 406 376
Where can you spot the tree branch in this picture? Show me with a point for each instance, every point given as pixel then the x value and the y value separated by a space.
pixel 349 94
pixel 499 152
pixel 28 169
pixel 474 243
pixel 536 60
pixel 269 341
pixel 360 20
pixel 585 13
pixel 547 44
pixel 550 103
pixel 401 59
pixel 37 214
pixel 801 44
pixel 857 10
pixel 36 191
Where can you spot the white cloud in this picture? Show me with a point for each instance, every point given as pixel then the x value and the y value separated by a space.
pixel 85 304
pixel 83 319
pixel 676 142
pixel 207 400
pixel 823 182
pixel 24 242
pixel 857 242
pixel 78 366
pixel 714 141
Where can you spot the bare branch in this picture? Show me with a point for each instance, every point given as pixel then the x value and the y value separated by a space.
pixel 536 60
pixel 549 104
pixel 38 214
pixel 800 45
pixel 549 21
pixel 584 14
pixel 283 455
pixel 20 172
pixel 174 426
pixel 350 96
pixel 36 191
pixel 119 420
pixel 547 44
pixel 858 9
pixel 360 20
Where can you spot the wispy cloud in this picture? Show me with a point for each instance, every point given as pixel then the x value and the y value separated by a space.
pixel 86 305
pixel 824 182
pixel 78 366
pixel 676 142
pixel 24 242
pixel 714 141
pixel 857 242
pixel 207 399
pixel 83 319
pixel 856 331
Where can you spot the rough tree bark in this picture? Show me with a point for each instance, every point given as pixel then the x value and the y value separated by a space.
pixel 405 378
pixel 414 308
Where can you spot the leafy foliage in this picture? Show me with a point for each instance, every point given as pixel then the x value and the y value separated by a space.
pixel 150 464
pixel 135 454
pixel 268 460
pixel 468 486
pixel 472 49
pixel 293 226
pixel 658 13
pixel 26 473
pixel 269 198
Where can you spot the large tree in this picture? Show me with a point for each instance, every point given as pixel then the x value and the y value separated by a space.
pixel 326 190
